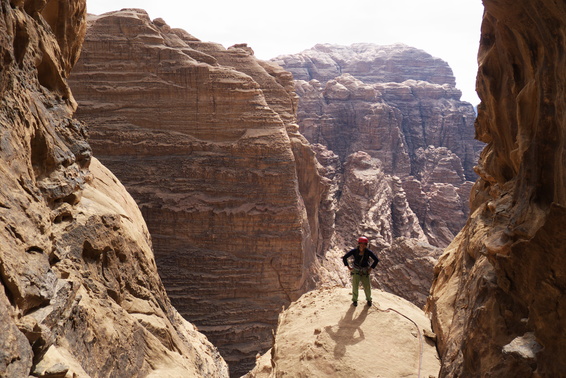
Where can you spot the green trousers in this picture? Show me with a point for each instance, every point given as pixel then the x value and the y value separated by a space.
pixel 356 278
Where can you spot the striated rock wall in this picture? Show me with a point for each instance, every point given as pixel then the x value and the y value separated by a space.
pixel 80 291
pixel 499 298
pixel 400 105
pixel 392 118
pixel 366 103
pixel 369 63
pixel 205 139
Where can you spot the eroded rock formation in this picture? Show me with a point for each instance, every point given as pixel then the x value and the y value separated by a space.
pixel 205 139
pixel 499 297
pixel 322 335
pixel 399 105
pixel 375 204
pixel 80 291
pixel 403 153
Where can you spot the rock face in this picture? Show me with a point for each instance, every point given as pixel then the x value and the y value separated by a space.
pixel 374 204
pixel 205 139
pixel 499 298
pixel 369 63
pixel 403 154
pixel 400 105
pixel 80 291
pixel 322 335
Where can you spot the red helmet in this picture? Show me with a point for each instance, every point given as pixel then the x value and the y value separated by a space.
pixel 363 239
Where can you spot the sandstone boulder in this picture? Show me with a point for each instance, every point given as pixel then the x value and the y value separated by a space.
pixel 322 334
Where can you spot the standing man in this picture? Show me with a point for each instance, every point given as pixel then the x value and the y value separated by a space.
pixel 361 268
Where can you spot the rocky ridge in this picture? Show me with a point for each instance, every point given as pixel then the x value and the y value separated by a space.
pixel 369 63
pixel 399 106
pixel 415 124
pixel 500 287
pixel 210 151
pixel 321 335
pixel 80 291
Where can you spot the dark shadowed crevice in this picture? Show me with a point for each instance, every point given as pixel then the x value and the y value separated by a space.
pixel 21 42
pixel 41 159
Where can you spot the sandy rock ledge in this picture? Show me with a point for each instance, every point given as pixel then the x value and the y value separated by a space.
pixel 323 335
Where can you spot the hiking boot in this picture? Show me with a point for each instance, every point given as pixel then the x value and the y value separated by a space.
pixel 354 304
pixel 369 303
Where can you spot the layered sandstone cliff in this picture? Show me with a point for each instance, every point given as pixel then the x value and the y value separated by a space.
pixel 399 105
pixel 205 139
pixel 404 150
pixel 499 297
pixel 80 291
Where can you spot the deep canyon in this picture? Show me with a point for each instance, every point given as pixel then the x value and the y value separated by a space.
pixel 157 188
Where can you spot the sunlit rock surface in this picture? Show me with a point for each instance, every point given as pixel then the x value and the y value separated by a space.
pixel 323 335
pixel 80 294
pixel 205 139
pixel 499 298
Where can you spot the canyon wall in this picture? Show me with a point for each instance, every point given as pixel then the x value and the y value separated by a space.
pixel 403 151
pixel 80 291
pixel 205 139
pixel 499 298
pixel 399 105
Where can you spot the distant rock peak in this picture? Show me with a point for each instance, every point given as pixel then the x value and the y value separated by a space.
pixel 369 62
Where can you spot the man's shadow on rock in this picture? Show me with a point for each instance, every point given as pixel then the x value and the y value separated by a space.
pixel 344 333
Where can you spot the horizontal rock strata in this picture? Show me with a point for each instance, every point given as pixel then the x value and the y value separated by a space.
pixel 205 139
pixel 403 153
pixel 415 123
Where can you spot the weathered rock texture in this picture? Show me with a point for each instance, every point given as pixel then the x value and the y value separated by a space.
pixel 402 148
pixel 400 105
pixel 499 297
pixel 322 335
pixel 205 139
pixel 80 294
pixel 374 204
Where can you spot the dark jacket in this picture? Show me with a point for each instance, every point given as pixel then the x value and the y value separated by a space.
pixel 361 261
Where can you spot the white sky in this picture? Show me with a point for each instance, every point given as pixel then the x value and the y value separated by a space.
pixel 448 29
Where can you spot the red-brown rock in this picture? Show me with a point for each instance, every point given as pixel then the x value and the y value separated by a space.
pixel 205 139
pixel 413 122
pixel 498 302
pixel 396 109
pixel 368 62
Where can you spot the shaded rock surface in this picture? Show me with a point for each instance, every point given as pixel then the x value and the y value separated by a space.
pixel 406 268
pixel 80 291
pixel 205 139
pixel 499 297
pixel 321 335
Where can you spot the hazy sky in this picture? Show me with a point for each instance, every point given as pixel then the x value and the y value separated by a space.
pixel 448 29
